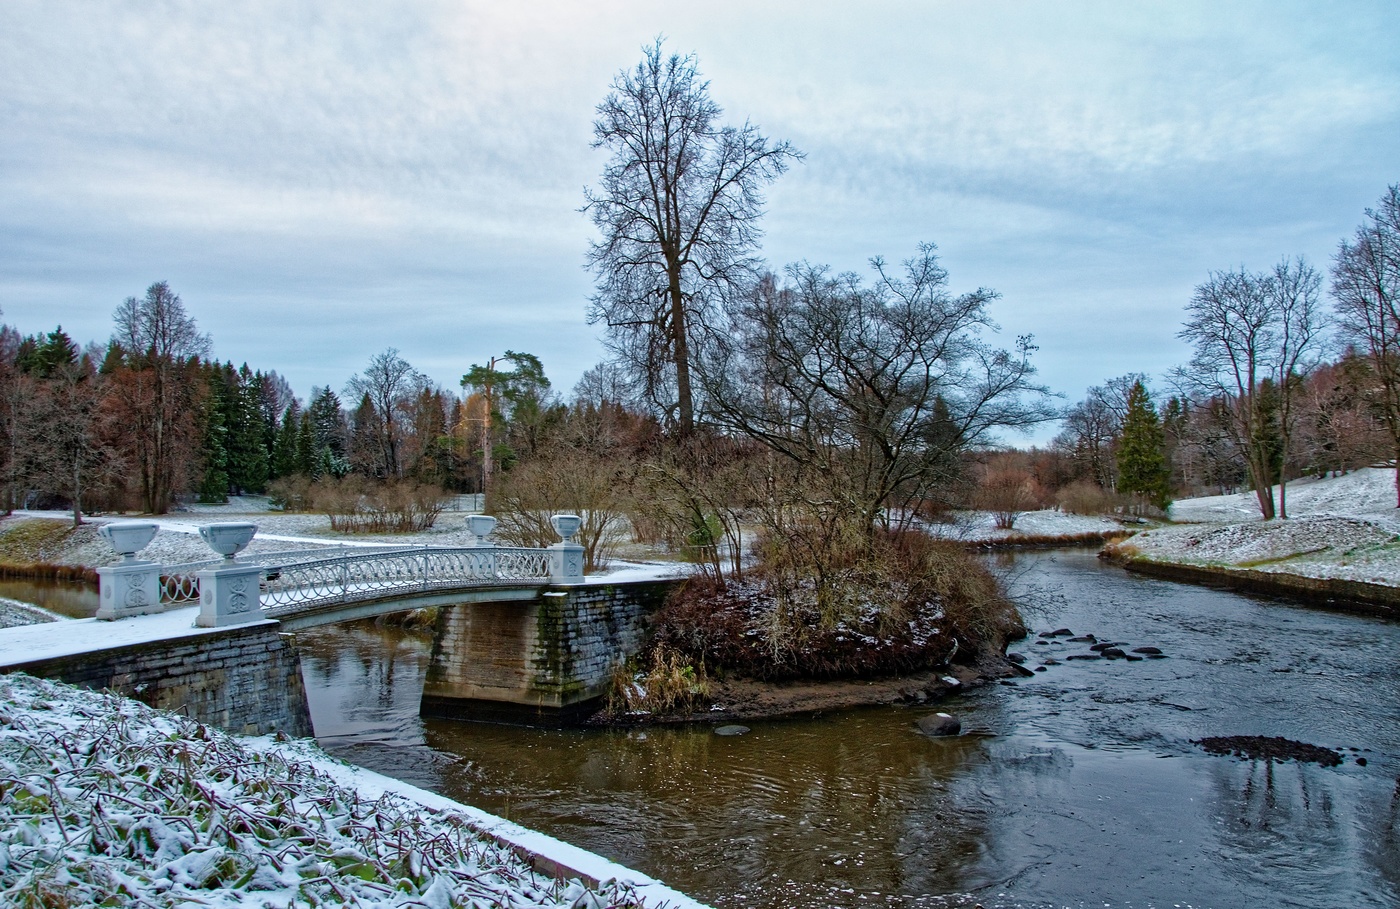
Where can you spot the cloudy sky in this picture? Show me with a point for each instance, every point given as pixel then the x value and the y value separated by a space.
pixel 322 181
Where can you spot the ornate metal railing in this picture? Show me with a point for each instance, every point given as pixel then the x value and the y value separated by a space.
pixel 179 584
pixel 300 580
pixel 367 576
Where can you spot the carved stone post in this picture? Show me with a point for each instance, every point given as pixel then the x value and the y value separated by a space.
pixel 131 587
pixel 481 526
pixel 230 594
pixel 566 558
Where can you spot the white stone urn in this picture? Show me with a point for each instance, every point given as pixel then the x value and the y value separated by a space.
pixel 481 525
pixel 566 525
pixel 129 537
pixel 230 538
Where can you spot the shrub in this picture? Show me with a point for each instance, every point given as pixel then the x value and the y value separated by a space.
pixel 671 685
pixel 911 603
pixel 292 493
pixel 1086 497
pixel 1006 492
pixel 355 505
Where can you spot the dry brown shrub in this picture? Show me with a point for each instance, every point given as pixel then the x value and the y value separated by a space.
pixel 1086 497
pixel 671 684
pixel 356 505
pixel 1007 492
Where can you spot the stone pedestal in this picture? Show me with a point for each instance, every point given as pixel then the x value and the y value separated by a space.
pixel 131 588
pixel 230 596
pixel 566 563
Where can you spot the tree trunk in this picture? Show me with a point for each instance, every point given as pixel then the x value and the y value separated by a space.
pixel 681 347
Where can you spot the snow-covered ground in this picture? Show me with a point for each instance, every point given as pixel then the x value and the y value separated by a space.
pixel 1341 527
pixel 981 525
pixel 104 801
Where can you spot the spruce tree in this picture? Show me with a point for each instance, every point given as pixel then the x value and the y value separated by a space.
pixel 213 489
pixel 1142 462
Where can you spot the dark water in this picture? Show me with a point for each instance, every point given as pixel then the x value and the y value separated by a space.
pixel 71 598
pixel 1079 787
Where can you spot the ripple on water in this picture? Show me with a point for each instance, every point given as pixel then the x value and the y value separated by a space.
pixel 1084 791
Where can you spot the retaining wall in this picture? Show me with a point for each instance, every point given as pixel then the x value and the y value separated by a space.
pixel 548 659
pixel 244 679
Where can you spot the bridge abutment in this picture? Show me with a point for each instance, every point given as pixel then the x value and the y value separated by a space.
pixel 549 659
pixel 244 679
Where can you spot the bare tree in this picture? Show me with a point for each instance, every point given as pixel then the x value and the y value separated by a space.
pixel 159 344
pixel 390 384
pixel 1366 287
pixel 1253 333
pixel 877 389
pixel 1093 426
pixel 678 208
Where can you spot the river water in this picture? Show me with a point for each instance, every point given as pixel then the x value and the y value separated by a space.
pixel 1079 787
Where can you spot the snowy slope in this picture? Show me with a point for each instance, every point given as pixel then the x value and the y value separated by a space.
pixel 1340 527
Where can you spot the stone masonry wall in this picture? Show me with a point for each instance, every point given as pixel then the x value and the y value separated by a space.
pixel 243 679
pixel 548 658
pixel 582 633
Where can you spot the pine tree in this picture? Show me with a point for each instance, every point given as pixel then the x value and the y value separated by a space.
pixel 214 487
pixel 247 455
pixel 1142 462
pixel 284 451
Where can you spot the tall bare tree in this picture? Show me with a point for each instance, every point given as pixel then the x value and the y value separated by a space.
pixel 678 208
pixel 390 385
pixel 1253 334
pixel 875 389
pixel 1366 287
pixel 159 343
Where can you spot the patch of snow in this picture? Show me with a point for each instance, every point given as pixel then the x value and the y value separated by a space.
pixel 107 802
pixel 1340 527
pixel 981 525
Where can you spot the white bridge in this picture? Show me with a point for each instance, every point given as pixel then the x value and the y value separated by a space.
pixel 317 586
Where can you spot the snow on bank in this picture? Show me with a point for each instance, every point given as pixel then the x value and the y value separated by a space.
pixel 970 526
pixel 1340 527
pixel 104 801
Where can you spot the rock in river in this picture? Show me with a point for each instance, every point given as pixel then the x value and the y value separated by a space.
pixel 731 730
pixel 1149 651
pixel 939 724
pixel 1057 633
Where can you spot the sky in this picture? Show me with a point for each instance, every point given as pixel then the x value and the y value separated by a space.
pixel 320 182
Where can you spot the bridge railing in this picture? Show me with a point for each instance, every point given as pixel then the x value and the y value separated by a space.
pixel 358 577
pixel 232 591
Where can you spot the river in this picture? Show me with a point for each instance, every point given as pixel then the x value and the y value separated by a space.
pixel 1079 787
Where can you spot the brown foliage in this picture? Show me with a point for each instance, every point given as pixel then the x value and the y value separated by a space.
pixel 912 603
pixel 357 505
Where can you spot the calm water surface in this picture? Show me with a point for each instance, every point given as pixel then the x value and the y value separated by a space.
pixel 71 598
pixel 1079 787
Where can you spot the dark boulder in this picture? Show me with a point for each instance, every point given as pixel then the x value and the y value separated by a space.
pixel 1017 658
pixel 939 724
pixel 1084 639
pixel 1113 653
pixel 731 730
pixel 1083 656
pixel 1149 651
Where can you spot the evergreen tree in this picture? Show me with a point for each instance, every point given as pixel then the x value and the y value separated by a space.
pixel 213 489
pixel 305 462
pixel 1142 461
pixel 284 451
pixel 247 455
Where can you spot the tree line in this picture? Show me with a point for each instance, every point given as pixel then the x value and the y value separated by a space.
pixel 1280 384
pixel 149 420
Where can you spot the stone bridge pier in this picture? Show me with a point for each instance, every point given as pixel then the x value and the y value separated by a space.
pixel 546 660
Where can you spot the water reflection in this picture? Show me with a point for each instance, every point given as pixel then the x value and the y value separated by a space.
pixel 70 598
pixel 1078 786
